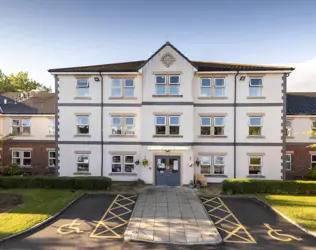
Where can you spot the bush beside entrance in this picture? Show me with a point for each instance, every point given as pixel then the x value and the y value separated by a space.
pixel 55 182
pixel 247 186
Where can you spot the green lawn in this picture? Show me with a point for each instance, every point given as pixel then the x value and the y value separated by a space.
pixel 301 209
pixel 39 204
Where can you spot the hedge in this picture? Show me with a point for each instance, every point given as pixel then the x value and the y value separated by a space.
pixel 248 186
pixel 55 182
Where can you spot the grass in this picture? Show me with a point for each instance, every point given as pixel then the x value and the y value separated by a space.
pixel 301 209
pixel 39 204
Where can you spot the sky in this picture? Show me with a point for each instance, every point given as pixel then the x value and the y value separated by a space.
pixel 37 35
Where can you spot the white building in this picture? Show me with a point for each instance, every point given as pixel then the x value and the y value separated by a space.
pixel 184 117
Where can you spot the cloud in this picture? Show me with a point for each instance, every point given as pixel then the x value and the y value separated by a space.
pixel 303 78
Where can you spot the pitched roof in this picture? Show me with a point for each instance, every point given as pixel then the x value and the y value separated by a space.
pixel 134 66
pixel 38 103
pixel 301 103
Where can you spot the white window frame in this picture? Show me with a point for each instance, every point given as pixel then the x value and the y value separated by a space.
pixel 207 126
pixel 313 127
pixel 123 162
pixel 260 87
pixel 169 84
pixel 16 126
pixel 117 163
pixel 290 162
pixel 21 126
pixel 289 128
pixel 21 157
pixel 219 87
pixel 208 164
pixel 256 165
pixel 117 87
pixel 114 125
pixel 83 124
pixel 220 165
pixel 257 126
pixel 203 87
pixel 51 158
pixel 312 161
pixel 173 125
pixel 214 125
pixel 77 163
pixel 125 125
pixel 160 125
pixel 128 87
pixel 87 87
pixel 163 84
pixel 51 128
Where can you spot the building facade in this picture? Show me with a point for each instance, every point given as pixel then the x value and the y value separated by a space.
pixel 164 119
pixel 29 125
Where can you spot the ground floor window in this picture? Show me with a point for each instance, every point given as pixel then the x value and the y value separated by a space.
pixel 212 165
pixel 21 157
pixel 82 162
pixel 313 162
pixel 288 162
pixel 255 165
pixel 51 158
pixel 122 163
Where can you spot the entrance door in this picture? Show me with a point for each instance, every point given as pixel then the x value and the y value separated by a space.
pixel 167 170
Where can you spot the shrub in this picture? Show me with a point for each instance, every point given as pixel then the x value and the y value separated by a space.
pixel 312 174
pixel 55 182
pixel 247 186
pixel 11 170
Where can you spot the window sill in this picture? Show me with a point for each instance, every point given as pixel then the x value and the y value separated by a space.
pixel 167 136
pixel 212 97
pixel 82 98
pixel 256 97
pixel 123 136
pixel 20 135
pixel 25 167
pixel 256 176
pixel 78 135
pixel 50 135
pixel 312 137
pixel 256 137
pixel 123 98
pixel 292 137
pixel 216 175
pixel 212 136
pixel 82 173
pixel 168 96
pixel 123 174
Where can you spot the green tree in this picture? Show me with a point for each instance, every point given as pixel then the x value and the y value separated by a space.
pixel 5 85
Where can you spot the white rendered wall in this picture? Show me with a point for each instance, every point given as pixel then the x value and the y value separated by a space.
pixel 299 126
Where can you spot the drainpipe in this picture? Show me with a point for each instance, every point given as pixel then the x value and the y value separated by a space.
pixel 101 124
pixel 235 121
pixel 285 75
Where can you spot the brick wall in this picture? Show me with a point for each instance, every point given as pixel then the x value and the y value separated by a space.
pixel 301 160
pixel 39 155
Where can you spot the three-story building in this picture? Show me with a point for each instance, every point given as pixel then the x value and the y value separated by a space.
pixel 165 118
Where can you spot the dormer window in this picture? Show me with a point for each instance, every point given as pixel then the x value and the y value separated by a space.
pixel 82 87
pixel 167 85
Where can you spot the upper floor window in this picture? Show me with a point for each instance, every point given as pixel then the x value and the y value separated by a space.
pixel 167 125
pixel 21 126
pixel 21 157
pixel 82 162
pixel 288 128
pixel 255 165
pixel 215 166
pixel 213 87
pixel 122 163
pixel 51 158
pixel 255 87
pixel 82 87
pixel 122 87
pixel 51 127
pixel 255 125
pixel 83 124
pixel 288 161
pixel 167 84
pixel 212 126
pixel 123 125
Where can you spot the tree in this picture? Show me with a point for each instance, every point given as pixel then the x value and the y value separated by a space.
pixel 19 82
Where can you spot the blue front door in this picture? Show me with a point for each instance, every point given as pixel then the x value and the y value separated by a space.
pixel 167 170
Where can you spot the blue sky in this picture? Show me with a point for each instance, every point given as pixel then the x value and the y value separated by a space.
pixel 40 34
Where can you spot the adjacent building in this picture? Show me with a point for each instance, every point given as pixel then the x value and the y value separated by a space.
pixel 165 118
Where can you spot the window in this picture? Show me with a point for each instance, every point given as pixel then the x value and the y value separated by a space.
pixel 51 128
pixel 213 126
pixel 217 168
pixel 206 87
pixel 122 87
pixel 313 162
pixel 82 87
pixel 122 163
pixel 21 158
pixel 314 127
pixel 82 163
pixel 82 125
pixel 219 87
pixel 255 87
pixel 288 128
pixel 255 165
pixel 255 125
pixel 21 126
pixel 288 162
pixel 51 158
pixel 167 125
pixel 167 84
pixel 121 125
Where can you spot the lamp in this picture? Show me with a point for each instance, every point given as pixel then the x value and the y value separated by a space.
pixel 242 78
pixel 197 162
pixel 97 79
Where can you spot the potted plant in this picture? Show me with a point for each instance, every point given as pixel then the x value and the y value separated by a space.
pixel 145 162
pixel 191 184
